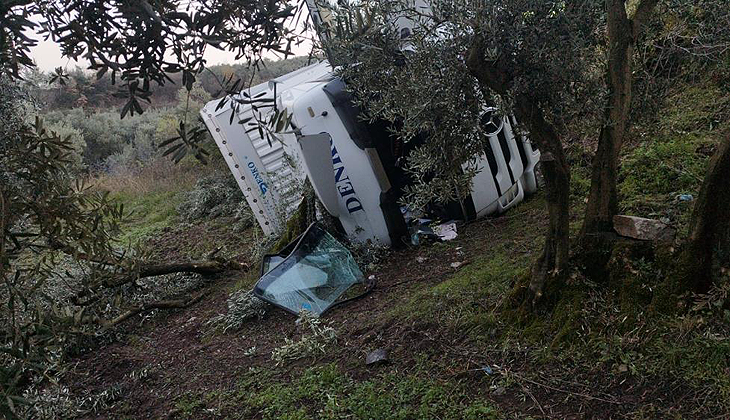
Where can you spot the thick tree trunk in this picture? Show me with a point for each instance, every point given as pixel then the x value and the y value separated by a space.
pixel 556 171
pixel 710 221
pixel 622 35
pixel 555 168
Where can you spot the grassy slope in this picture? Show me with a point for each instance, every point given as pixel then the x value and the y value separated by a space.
pixel 599 352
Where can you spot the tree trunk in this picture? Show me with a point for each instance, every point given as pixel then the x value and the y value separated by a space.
pixel 622 36
pixel 555 168
pixel 556 171
pixel 710 221
pixel 603 196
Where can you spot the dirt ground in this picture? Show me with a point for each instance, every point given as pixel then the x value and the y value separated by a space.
pixel 169 355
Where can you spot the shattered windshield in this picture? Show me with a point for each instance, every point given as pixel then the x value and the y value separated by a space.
pixel 317 272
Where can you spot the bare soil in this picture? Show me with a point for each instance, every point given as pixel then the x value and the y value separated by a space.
pixel 174 356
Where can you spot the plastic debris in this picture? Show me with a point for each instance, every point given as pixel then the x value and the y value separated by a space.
pixel 421 232
pixel 685 197
pixel 446 231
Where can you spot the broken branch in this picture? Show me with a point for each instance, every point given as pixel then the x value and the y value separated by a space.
pixel 162 304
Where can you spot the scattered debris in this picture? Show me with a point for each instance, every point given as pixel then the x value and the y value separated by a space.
pixel 317 336
pixel 251 351
pixel 642 228
pixel 446 231
pixel 314 275
pixel 377 357
pixel 685 197
pixel 457 264
pixel 488 370
pixel 243 306
pixel 422 231
pixel 420 259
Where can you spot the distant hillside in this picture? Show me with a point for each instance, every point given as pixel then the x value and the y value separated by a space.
pixel 83 90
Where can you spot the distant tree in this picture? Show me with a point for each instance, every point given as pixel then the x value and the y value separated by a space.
pixel 143 43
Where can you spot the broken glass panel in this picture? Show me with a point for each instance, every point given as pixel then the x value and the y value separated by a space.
pixel 313 276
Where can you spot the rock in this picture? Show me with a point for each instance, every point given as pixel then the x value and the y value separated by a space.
pixel 421 259
pixel 377 357
pixel 457 264
pixel 500 390
pixel 642 228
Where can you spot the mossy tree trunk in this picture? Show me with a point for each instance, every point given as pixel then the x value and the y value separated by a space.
pixel 622 36
pixel 710 221
pixel 554 258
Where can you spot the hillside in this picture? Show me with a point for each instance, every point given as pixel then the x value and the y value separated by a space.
pixel 455 347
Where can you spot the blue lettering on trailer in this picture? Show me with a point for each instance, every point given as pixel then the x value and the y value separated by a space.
pixel 257 176
pixel 343 183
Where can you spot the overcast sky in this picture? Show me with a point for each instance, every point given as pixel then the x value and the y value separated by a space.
pixel 47 56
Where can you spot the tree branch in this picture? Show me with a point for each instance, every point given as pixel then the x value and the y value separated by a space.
pixel 162 304
pixel 488 72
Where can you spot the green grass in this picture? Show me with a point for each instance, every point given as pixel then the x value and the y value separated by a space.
pixel 465 301
pixel 325 392
pixel 150 212
pixel 672 158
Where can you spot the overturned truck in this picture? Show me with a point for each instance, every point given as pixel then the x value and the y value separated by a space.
pixel 353 166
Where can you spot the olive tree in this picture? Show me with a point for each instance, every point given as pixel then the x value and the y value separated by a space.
pixel 143 43
pixel 534 59
pixel 554 65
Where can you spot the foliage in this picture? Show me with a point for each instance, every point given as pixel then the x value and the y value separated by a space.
pixel 43 211
pixel 215 196
pixel 243 306
pixel 155 39
pixel 425 90
pixel 316 337
pixel 66 279
pixel 75 139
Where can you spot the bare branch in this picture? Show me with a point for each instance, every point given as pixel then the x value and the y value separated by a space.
pixel 163 304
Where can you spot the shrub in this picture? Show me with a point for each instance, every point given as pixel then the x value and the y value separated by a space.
pixel 216 196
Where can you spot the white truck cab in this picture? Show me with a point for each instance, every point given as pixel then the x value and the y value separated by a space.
pixel 352 165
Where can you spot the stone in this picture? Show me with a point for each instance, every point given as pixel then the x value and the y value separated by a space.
pixel 377 357
pixel 642 228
